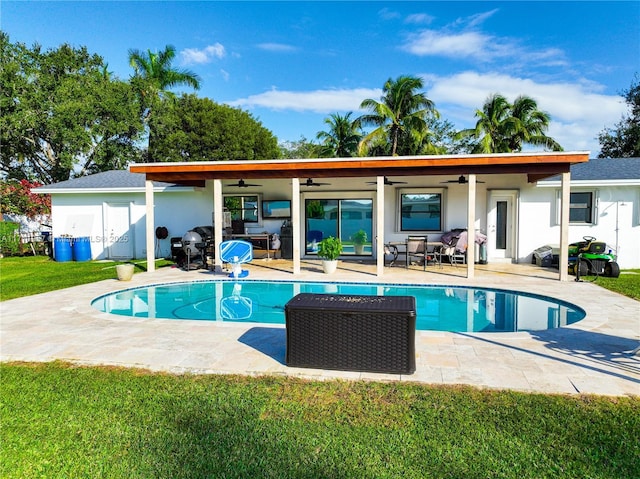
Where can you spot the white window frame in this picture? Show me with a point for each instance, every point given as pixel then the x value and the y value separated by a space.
pixel 595 203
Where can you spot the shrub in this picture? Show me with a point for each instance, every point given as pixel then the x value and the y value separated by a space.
pixel 360 237
pixel 330 248
pixel 9 237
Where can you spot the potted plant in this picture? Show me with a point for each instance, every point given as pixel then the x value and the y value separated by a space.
pixel 329 249
pixel 359 239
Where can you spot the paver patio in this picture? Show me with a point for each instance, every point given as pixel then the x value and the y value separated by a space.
pixel 596 355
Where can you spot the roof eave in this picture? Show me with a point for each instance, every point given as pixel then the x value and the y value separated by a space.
pixel 590 183
pixel 43 190
pixel 550 163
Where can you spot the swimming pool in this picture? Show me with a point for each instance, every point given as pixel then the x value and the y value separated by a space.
pixel 438 308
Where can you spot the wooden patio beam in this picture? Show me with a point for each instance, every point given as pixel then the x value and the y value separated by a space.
pixel 363 167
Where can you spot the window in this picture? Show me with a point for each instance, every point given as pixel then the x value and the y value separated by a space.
pixel 243 208
pixel 420 211
pixel 581 207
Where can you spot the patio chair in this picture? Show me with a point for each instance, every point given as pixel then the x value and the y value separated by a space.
pixel 416 249
pixel 434 254
pixel 455 256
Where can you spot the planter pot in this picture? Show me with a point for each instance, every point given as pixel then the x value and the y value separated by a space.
pixel 359 248
pixel 329 266
pixel 124 272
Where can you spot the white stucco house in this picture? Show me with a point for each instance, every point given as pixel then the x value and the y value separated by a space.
pixel 517 211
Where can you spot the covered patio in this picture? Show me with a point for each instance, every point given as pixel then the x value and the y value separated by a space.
pixel 533 166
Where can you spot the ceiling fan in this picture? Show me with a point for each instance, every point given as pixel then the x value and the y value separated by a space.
pixel 461 181
pixel 310 182
pixel 242 184
pixel 387 181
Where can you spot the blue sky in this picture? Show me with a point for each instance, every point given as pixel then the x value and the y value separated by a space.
pixel 291 64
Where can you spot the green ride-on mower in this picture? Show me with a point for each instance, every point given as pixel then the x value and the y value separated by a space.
pixel 592 258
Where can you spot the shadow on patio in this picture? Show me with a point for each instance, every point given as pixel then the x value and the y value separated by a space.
pixel 598 352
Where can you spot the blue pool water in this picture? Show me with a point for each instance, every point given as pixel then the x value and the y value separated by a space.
pixel 438 308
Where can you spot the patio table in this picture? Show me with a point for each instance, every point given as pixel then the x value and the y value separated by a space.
pixel 399 248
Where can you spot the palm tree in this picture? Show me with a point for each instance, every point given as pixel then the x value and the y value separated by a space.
pixel 156 73
pixel 530 125
pixel 504 128
pixel 493 121
pixel 154 76
pixel 400 116
pixel 343 137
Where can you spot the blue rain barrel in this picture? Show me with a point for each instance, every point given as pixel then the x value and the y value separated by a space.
pixel 62 249
pixel 81 249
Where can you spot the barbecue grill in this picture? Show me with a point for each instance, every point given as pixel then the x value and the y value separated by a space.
pixel 194 247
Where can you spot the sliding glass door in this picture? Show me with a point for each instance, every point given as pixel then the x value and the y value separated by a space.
pixel 350 220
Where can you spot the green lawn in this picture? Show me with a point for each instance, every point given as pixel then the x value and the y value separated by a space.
pixel 63 421
pixel 60 421
pixel 23 276
pixel 628 283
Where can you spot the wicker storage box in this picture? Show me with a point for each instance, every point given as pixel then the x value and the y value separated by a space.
pixel 351 332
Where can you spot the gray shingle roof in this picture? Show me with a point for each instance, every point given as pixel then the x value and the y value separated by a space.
pixel 604 169
pixel 113 179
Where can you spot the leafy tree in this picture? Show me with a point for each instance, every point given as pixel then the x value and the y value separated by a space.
pixel 343 136
pixel 60 114
pixel 16 198
pixel 153 77
pixel 189 128
pixel 503 127
pixel 301 148
pixel 623 141
pixel 443 139
pixel 400 118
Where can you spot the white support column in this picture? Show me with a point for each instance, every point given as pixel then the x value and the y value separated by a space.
pixel 564 226
pixel 471 227
pixel 379 226
pixel 295 223
pixel 218 223
pixel 150 224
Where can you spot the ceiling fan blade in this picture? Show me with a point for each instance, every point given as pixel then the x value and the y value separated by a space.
pixel 461 181
pixel 312 183
pixel 242 184
pixel 388 182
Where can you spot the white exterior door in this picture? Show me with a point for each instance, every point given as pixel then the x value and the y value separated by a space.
pixel 501 222
pixel 118 232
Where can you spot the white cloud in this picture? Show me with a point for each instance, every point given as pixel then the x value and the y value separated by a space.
pixel 277 47
pixel 463 39
pixel 225 74
pixel 419 18
pixel 387 14
pixel 457 45
pixel 317 101
pixel 192 56
pixel 578 110
pixel 478 18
